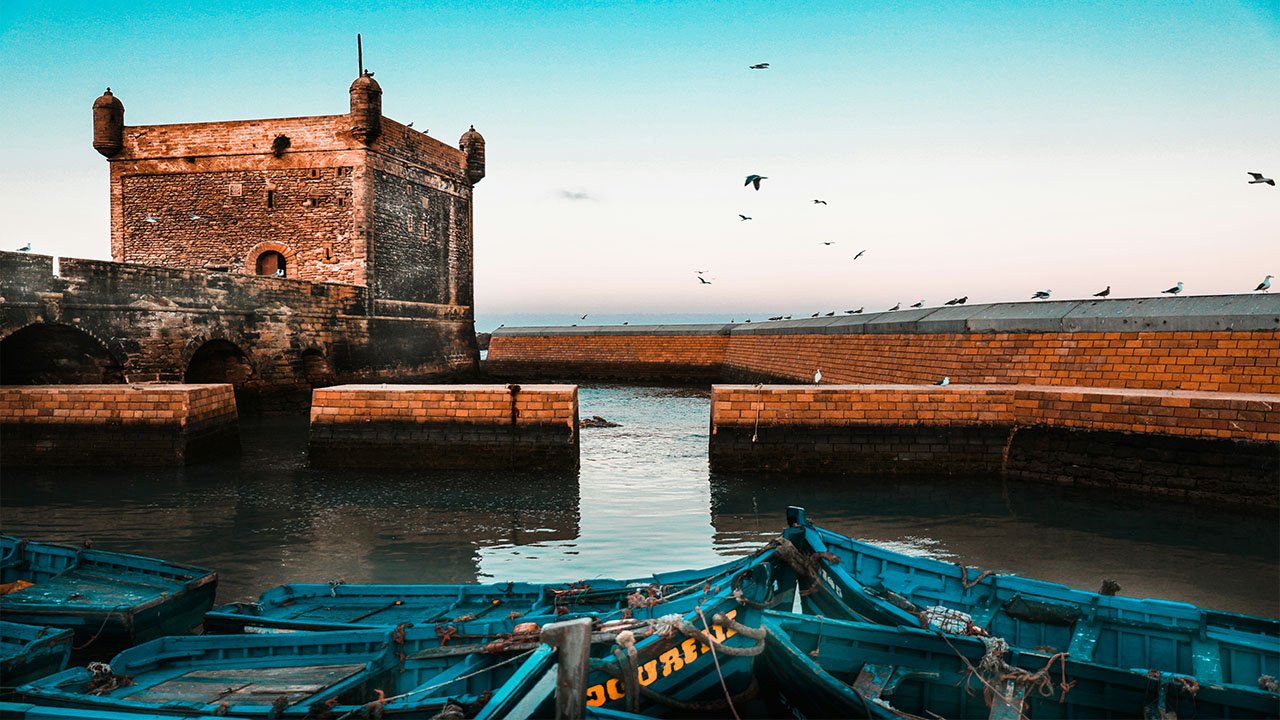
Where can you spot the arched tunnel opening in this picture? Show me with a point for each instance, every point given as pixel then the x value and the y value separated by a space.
pixel 218 361
pixel 54 354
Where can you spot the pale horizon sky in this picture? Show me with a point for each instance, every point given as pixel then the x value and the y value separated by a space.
pixel 980 149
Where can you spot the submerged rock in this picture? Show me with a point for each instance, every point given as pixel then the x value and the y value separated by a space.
pixel 596 421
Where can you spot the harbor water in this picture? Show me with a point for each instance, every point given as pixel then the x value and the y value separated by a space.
pixel 642 501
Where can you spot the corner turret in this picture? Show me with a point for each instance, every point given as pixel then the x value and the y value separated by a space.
pixel 366 108
pixel 108 124
pixel 472 143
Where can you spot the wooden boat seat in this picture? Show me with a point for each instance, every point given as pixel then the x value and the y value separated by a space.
pixel 877 682
pixel 80 587
pixel 251 685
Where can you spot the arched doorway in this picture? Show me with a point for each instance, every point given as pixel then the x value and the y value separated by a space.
pixel 55 354
pixel 271 263
pixel 218 361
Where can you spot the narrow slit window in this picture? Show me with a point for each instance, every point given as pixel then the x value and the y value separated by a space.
pixel 271 198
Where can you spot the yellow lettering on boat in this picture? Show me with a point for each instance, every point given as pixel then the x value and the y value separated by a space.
pixel 595 695
pixel 649 672
pixel 690 649
pixel 671 661
pixel 614 688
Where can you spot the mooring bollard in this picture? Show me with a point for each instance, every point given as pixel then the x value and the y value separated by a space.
pixel 572 641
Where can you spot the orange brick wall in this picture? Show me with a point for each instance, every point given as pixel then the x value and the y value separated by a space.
pixel 1220 361
pixel 176 405
pixel 1229 362
pixel 445 404
pixel 1199 414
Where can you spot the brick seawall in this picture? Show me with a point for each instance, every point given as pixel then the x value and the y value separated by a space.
pixel 116 424
pixel 445 426
pixel 1221 447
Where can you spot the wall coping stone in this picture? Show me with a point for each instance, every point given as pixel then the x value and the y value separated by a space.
pixel 1199 313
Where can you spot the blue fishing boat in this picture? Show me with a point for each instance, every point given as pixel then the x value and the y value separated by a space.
pixel 691 655
pixel 820 667
pixel 28 652
pixel 28 711
pixel 848 579
pixel 110 600
pixel 342 606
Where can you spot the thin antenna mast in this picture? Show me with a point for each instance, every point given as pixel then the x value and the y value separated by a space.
pixel 359 54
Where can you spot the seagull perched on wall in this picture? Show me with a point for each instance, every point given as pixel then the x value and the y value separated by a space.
pixel 196 217
pixel 856 312
pixel 25 248
pixel 952 301
pixel 759 66
pixel 819 202
pixel 744 217
pixel 815 315
pixel 1103 293
pixel 855 257
pixel 776 318
pixel 755 180
pixel 1042 295
pixel 1259 180
pixel 895 307
pixel 817 376
pixel 150 218
pixel 946 380
pixel 1265 285
pixel 962 300
pixel 918 305
pixel 830 314
pixel 1173 290
pixel 786 317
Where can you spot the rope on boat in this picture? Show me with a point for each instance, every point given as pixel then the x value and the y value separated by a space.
pixel 382 700
pixel 105 680
pixel 706 629
pixel 94 637
pixel 993 668
pixel 1268 683
pixel 968 584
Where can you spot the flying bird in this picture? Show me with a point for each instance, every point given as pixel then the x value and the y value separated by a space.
pixel 584 317
pixel 946 380
pixel 1103 293
pixel 819 202
pixel 703 280
pixel 1264 286
pixel 895 307
pixel 25 248
pixel 1258 179
pixel 755 180
pixel 824 242
pixel 744 217
pixel 817 376
pixel 1173 290
pixel 860 252
pixel 1041 295
pixel 918 305
pixel 759 66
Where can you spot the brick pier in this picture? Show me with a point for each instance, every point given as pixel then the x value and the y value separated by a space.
pixel 1222 447
pixel 116 424
pixel 445 426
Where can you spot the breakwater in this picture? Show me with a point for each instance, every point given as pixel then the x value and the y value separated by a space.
pixel 92 425
pixel 1228 343
pixel 1218 447
pixel 445 426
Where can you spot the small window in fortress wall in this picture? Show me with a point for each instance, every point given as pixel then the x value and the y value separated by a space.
pixel 313 172
pixel 271 263
pixel 342 172
pixel 271 198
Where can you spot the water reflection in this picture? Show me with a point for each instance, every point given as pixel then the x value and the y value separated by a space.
pixel 643 501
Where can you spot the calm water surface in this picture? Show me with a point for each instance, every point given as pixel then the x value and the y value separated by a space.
pixel 643 501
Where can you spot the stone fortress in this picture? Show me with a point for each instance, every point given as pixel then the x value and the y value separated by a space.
pixel 274 254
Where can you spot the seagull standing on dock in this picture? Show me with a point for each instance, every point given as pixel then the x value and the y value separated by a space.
pixel 817 377
pixel 1173 290
pixel 1042 295
pixel 946 380
pixel 1265 285
pixel 755 180
pixel 1259 180
pixel 1103 293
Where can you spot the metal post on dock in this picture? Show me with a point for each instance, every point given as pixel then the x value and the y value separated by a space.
pixel 572 641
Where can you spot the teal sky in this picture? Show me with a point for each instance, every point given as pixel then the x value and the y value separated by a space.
pixel 986 149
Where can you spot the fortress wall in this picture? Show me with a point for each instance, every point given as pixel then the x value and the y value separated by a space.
pixel 116 424
pixel 1215 343
pixel 445 426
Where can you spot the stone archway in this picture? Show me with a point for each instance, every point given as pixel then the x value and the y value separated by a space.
pixel 55 354
pixel 218 361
